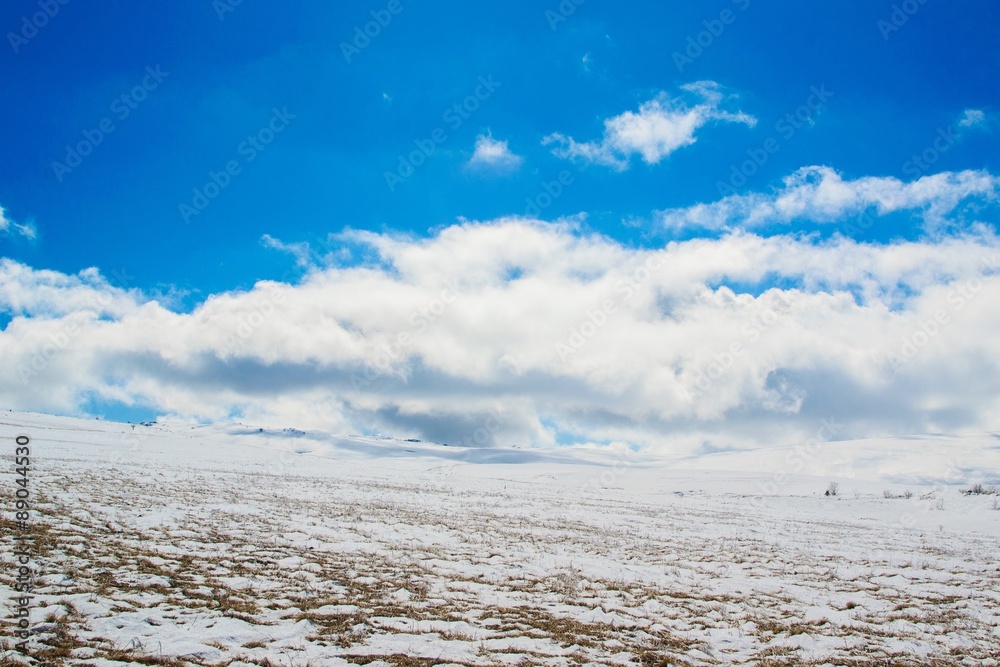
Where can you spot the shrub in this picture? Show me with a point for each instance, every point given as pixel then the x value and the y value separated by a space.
pixel 980 490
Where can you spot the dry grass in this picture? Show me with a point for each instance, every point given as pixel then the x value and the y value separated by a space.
pixel 123 563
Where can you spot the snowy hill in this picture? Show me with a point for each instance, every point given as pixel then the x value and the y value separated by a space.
pixel 238 545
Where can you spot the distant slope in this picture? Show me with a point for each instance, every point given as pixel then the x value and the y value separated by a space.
pixel 922 460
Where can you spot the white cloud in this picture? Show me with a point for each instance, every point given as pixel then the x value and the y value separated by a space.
pixel 820 194
pixel 7 225
pixel 440 332
pixel 972 118
pixel 302 252
pixel 661 126
pixel 494 155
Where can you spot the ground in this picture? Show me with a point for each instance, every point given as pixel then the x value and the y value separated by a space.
pixel 225 545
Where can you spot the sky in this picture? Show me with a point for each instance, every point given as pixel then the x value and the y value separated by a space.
pixel 673 226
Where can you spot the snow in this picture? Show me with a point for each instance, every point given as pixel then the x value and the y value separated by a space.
pixel 226 545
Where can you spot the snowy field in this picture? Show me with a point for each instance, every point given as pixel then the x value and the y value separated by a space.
pixel 226 545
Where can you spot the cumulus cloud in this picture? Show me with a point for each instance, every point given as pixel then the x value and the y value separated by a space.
pixel 494 156
pixel 7 226
pixel 660 127
pixel 528 333
pixel 820 194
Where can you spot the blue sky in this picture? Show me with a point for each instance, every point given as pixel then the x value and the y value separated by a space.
pixel 326 172
pixel 200 78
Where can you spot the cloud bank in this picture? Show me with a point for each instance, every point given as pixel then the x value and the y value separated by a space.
pixel 820 194
pixel 547 332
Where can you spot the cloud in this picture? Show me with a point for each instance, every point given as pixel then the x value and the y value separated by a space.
pixel 302 252
pixel 558 333
pixel 971 118
pixel 660 127
pixel 494 156
pixel 820 194
pixel 7 226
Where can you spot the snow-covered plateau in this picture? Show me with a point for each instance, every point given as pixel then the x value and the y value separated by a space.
pixel 173 544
